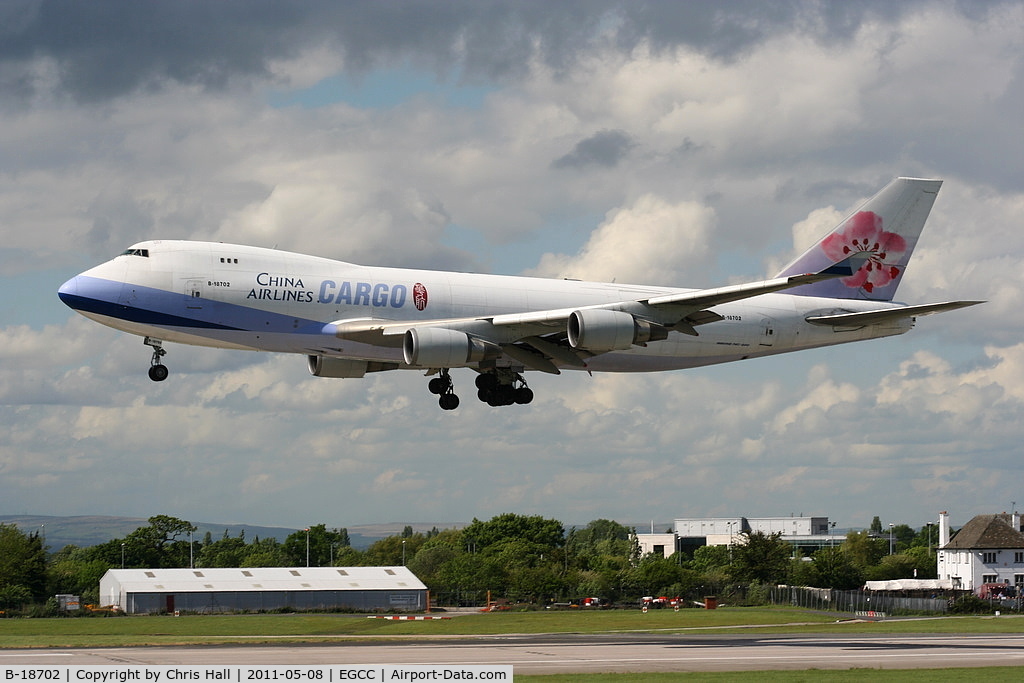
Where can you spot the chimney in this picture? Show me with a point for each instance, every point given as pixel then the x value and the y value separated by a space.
pixel 1015 521
pixel 943 529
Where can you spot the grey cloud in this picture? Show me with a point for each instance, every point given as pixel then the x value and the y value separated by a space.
pixel 107 49
pixel 605 148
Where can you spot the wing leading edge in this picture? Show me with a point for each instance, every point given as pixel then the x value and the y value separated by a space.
pixel 537 338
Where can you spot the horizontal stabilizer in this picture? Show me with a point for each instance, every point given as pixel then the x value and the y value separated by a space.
pixel 887 314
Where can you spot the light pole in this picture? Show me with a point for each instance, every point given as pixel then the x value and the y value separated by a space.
pixel 307 546
pixel 831 531
pixel 122 556
pixel 930 525
pixel 403 552
pixel 891 525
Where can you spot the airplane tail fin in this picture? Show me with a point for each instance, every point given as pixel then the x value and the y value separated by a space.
pixel 883 231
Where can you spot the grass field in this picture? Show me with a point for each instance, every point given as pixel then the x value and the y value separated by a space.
pixel 294 628
pixel 320 628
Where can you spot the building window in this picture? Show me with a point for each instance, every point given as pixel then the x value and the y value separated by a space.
pixel 1018 579
pixel 988 558
pixel 989 578
pixel 1018 557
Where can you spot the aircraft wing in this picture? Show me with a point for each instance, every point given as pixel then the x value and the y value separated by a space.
pixel 886 314
pixel 536 338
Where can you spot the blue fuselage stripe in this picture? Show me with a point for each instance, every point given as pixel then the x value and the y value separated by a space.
pixel 137 315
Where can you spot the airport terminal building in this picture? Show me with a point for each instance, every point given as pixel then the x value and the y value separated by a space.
pixel 141 591
pixel 804 533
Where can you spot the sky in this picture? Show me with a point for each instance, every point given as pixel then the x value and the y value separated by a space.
pixel 671 143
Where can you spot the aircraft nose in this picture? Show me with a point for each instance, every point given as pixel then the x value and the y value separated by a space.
pixel 68 292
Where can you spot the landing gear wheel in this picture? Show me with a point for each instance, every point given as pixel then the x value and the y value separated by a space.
pixel 486 381
pixel 443 387
pixel 524 395
pixel 157 371
pixel 502 388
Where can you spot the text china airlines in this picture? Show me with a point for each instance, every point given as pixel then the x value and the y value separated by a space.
pixel 283 288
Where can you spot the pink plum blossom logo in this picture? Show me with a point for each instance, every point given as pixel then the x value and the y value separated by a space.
pixel 419 296
pixel 863 234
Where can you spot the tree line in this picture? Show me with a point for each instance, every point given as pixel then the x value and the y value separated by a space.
pixel 519 558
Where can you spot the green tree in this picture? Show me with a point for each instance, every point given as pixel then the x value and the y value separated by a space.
pixel 863 550
pixel 72 570
pixel 923 561
pixel 897 566
pixel 318 545
pixel 430 558
pixel 876 525
pixel 267 552
pixel 227 552
pixel 502 528
pixel 761 557
pixel 22 564
pixel 391 551
pixel 903 537
pixel 655 574
pixel 711 557
pixel 833 569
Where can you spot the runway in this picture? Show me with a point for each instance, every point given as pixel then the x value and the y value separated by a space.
pixel 581 653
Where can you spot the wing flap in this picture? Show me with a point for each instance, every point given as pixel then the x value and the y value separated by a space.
pixel 705 298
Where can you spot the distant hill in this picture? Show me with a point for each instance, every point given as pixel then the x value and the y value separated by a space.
pixel 90 530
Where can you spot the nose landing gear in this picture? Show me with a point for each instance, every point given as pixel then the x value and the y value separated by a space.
pixel 444 388
pixel 157 371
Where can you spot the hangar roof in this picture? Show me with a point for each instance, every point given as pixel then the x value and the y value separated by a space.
pixel 263 579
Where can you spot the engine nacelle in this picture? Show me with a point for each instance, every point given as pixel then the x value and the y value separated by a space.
pixel 437 347
pixel 325 366
pixel 599 329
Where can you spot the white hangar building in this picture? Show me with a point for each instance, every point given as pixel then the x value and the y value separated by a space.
pixel 138 591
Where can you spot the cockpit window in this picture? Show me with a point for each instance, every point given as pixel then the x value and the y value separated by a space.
pixel 136 252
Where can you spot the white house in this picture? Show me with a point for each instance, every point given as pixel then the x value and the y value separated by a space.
pixel 988 549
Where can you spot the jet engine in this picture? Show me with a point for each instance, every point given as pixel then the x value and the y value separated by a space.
pixel 599 329
pixel 435 347
pixel 325 366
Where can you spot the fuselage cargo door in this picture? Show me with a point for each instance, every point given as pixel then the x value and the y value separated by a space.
pixel 194 294
pixel 767 336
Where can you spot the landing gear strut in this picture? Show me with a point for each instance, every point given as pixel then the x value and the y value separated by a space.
pixel 157 371
pixel 444 388
pixel 502 387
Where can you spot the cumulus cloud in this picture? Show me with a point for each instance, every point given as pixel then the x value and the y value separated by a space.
pixel 650 242
pixel 651 143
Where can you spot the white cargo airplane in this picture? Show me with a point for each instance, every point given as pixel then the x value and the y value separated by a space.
pixel 350 320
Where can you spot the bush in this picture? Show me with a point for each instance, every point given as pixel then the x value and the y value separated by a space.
pixel 970 604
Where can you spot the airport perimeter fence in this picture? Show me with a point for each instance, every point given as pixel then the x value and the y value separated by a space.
pixel 853 602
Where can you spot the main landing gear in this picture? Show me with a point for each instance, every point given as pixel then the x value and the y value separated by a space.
pixel 445 390
pixel 157 371
pixel 498 387
pixel 502 387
